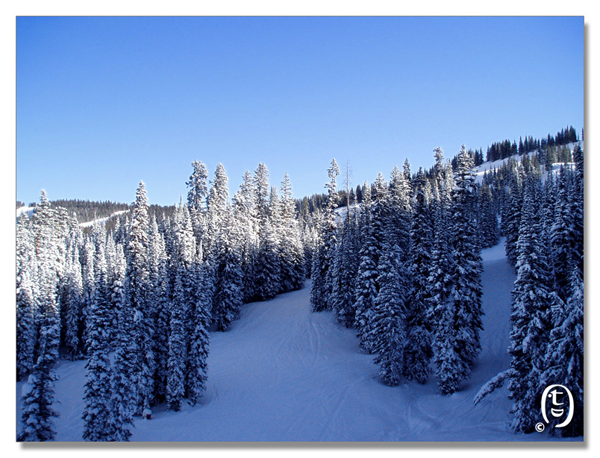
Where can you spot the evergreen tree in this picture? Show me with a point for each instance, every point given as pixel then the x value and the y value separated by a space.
pixel 228 296
pixel 418 343
pixel 246 216
pixel 511 214
pixel 38 392
pixel 126 354
pixel 26 307
pixel 198 367
pixel 97 415
pixel 291 249
pixel 532 301
pixel 177 346
pixel 345 269
pixel 136 297
pixel 261 193
pixel 196 201
pixel 564 363
pixel 266 269
pixel 488 226
pixel 466 274
pixel 88 285
pixel 389 328
pixel 399 219
pixel 73 311
pixel 158 279
pixel 218 199
pixel 322 286
pixel 563 236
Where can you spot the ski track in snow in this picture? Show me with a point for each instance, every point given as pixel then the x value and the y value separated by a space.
pixel 283 373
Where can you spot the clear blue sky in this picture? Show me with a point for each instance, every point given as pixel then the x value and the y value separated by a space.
pixel 103 103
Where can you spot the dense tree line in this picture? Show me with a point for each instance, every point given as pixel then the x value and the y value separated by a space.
pixel 148 290
pixel 507 148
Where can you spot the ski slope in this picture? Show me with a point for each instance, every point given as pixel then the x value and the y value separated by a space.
pixel 283 373
pixel 102 220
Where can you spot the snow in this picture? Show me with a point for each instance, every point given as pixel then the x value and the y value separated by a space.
pixel 102 220
pixel 341 212
pixel 27 210
pixel 283 373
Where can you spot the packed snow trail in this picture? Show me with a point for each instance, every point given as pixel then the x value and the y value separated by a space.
pixel 283 373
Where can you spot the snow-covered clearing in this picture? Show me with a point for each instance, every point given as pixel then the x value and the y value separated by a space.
pixel 283 373
pixel 102 220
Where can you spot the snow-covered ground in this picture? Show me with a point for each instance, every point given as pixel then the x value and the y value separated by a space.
pixel 102 220
pixel 283 373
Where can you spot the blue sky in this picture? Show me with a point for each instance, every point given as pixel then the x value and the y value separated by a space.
pixel 103 103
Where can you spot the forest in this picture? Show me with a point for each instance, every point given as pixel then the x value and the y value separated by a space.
pixel 401 266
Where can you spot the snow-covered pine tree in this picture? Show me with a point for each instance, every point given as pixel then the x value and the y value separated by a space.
pixel 218 199
pixel 110 254
pixel 399 223
pixel 158 278
pixel 126 354
pixel 276 220
pixel 488 226
pixel 196 201
pixel 418 349
pixel 291 249
pixel 378 238
pixel 530 317
pixel 366 282
pixel 511 211
pixel 38 392
pixel 345 268
pixel 199 346
pixel 577 209
pixel 563 236
pixel 136 297
pixel 266 266
pixel 228 296
pixel 442 306
pixel 388 331
pixel 466 269
pixel 73 310
pixel 86 255
pixel 26 307
pixel 245 213
pixel 177 357
pixel 318 272
pixel 97 414
pixel 321 287
pixel 261 192
pixel 309 235
pixel 564 362
pixel 266 269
